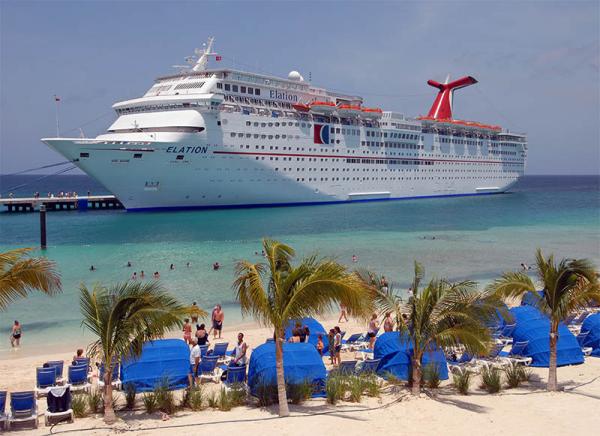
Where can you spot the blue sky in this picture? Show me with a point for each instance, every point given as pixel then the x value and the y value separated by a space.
pixel 537 62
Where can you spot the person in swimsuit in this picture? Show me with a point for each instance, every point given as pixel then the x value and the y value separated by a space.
pixel 320 344
pixel 187 331
pixel 201 334
pixel 15 336
pixel 343 314
pixel 337 344
pixel 388 323
pixel 331 346
pixel 217 319
pixel 372 332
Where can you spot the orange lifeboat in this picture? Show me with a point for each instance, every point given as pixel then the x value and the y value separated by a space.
pixel 301 107
pixel 372 113
pixel 322 107
pixel 348 110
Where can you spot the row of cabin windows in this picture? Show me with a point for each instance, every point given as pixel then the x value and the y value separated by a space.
pixel 235 88
pixel 393 135
pixel 277 124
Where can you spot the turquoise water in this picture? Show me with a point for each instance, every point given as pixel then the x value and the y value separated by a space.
pixel 474 237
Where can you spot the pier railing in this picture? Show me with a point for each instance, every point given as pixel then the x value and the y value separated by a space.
pixel 32 204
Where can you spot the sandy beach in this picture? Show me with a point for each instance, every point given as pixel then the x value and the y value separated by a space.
pixel 528 410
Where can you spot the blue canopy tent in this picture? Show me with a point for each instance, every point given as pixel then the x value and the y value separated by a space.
pixel 301 363
pixel 395 352
pixel 530 298
pixel 592 325
pixel 534 326
pixel 161 359
pixel 315 329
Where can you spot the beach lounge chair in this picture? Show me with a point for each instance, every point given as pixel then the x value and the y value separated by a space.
pixel 581 337
pixel 83 361
pixel 77 378
pixel 209 369
pixel 45 378
pixel 515 355
pixel 506 332
pixel 115 380
pixel 354 342
pixel 466 362
pixel 220 350
pixel 369 366
pixel 236 378
pixel 23 408
pixel 203 350
pixel 3 416
pixel 58 365
pixel 569 319
pixel 575 325
pixel 492 359
pixel 269 340
pixel 59 405
pixel 363 354
pixel 347 367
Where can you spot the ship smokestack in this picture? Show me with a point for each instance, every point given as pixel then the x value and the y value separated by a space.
pixel 442 106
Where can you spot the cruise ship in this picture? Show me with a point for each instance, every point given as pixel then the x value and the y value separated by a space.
pixel 216 137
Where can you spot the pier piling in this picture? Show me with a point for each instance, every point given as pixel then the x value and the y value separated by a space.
pixel 43 226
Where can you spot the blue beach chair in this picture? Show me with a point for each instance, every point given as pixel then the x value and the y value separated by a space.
pixel 3 416
pixel 347 367
pixel 58 365
pixel 208 368
pixel 203 350
pixel 77 378
pixel 23 408
pixel 369 366
pixel 493 358
pixel 515 355
pixel 115 380
pixel 220 350
pixel 581 337
pixel 506 332
pixel 236 377
pixel 45 378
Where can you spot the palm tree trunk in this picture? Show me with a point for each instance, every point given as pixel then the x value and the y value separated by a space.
pixel 552 378
pixel 281 394
pixel 109 413
pixel 416 375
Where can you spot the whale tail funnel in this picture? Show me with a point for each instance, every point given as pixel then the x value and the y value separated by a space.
pixel 442 106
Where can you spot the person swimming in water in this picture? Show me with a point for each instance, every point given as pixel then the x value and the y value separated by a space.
pixel 216 266
pixel 172 267
pixel 92 268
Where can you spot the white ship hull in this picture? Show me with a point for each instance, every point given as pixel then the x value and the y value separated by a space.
pixel 216 173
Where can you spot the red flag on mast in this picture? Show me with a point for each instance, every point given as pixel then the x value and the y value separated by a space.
pixel 56 98
pixel 218 58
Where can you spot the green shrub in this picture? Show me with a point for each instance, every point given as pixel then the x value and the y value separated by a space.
pixel 266 393
pixel 334 389
pixel 516 374
pixel 95 401
pixel 130 392
pixel 150 402
pixel 525 374
pixel 195 398
pixel 355 387
pixel 300 392
pixel 491 379
pixel 224 402
pixel 372 385
pixel 237 394
pixel 462 381
pixel 213 400
pixel 165 399
pixel 431 375
pixel 79 405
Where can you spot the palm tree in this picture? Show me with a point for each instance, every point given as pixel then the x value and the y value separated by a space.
pixel 20 275
pixel 278 292
pixel 442 314
pixel 123 317
pixel 569 285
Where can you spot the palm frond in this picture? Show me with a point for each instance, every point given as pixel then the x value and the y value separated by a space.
pixel 20 275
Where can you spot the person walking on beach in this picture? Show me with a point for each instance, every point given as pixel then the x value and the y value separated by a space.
pixel 217 320
pixel 372 331
pixel 15 334
pixel 187 331
pixel 331 345
pixel 388 323
pixel 343 314
pixel 337 344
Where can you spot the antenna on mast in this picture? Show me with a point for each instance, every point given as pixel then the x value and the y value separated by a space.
pixel 203 55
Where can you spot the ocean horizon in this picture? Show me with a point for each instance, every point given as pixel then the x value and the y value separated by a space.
pixel 463 237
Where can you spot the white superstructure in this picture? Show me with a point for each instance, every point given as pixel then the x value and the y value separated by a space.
pixel 227 138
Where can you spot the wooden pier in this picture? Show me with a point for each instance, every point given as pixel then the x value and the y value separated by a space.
pixel 32 204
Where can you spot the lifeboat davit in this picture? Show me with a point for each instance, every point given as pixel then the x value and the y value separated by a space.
pixel 348 110
pixel 301 107
pixel 322 107
pixel 371 113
